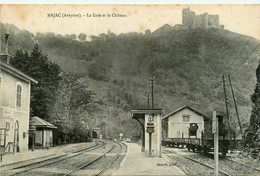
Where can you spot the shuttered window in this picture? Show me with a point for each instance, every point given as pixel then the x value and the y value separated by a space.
pixel 186 118
pixel 19 96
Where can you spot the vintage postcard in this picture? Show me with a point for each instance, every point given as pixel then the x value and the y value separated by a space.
pixel 145 89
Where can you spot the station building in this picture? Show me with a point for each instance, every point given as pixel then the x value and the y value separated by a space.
pixel 15 91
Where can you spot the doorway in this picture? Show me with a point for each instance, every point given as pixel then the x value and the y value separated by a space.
pixel 16 138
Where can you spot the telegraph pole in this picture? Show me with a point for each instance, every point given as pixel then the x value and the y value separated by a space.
pixel 148 99
pixel 226 102
pixel 150 124
pixel 235 105
pixel 152 80
pixel 215 131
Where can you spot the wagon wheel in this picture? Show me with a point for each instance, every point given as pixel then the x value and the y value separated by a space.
pixel 199 149
pixel 223 153
pixel 193 149
pixel 206 150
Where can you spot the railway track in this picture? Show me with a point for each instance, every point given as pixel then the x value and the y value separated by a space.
pixel 113 160
pixel 75 162
pixel 183 167
pixel 208 171
pixel 108 161
pixel 231 166
pixel 206 165
pixel 37 160
pixel 85 164
pixel 248 170
pixel 20 168
pixel 227 166
pixel 75 150
pixel 243 164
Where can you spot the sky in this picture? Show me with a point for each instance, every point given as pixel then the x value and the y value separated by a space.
pixel 129 1
pixel 239 18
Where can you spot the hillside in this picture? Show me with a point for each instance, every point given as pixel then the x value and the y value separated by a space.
pixel 187 65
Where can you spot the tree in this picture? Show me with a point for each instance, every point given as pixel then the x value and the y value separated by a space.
pixel 71 36
pixel 72 103
pixel 97 70
pixel 252 133
pixel 38 66
pixel 82 37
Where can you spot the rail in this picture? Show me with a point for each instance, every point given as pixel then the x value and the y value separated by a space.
pixel 52 160
pixel 206 165
pixel 112 161
pixel 88 163
pixel 243 164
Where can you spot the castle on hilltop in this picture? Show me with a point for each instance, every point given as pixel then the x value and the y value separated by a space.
pixel 192 21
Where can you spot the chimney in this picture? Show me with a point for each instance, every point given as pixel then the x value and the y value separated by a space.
pixel 6 44
pixel 5 55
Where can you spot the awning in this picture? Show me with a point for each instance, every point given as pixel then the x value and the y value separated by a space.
pixel 40 123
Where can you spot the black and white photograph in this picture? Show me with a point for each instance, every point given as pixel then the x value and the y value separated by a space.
pixel 129 89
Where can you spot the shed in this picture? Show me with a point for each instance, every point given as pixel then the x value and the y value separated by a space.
pixel 44 132
pixel 177 123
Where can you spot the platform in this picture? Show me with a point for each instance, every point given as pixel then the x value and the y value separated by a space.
pixel 135 163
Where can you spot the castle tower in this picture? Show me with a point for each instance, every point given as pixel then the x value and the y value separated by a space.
pixel 185 14
pixel 187 18
pixel 192 21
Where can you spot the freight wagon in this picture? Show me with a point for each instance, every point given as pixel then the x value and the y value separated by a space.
pixel 205 142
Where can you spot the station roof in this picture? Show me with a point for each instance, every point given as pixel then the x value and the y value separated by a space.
pixel 10 69
pixel 184 107
pixel 146 111
pixel 40 123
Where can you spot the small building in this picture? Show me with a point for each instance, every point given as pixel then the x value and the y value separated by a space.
pixel 44 133
pixel 15 91
pixel 177 123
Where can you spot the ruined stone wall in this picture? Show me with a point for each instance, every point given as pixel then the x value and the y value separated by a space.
pixel 213 20
pixel 192 21
pixel 202 21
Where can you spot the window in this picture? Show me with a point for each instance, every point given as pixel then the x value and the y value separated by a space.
pixel 19 96
pixel 186 118
pixel 7 126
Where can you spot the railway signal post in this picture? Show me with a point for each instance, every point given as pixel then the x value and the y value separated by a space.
pixel 215 132
pixel 121 135
pixel 150 130
pixel 33 132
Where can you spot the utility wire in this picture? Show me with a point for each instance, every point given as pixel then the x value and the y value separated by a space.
pixel 246 58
